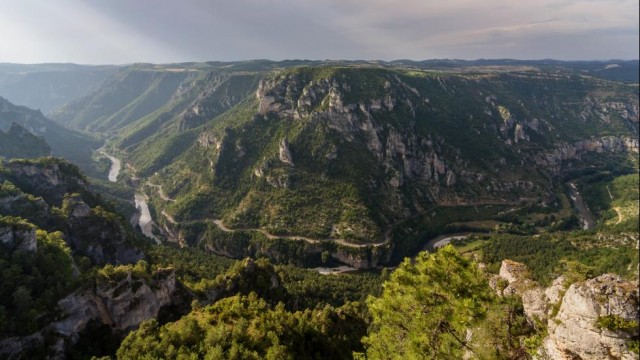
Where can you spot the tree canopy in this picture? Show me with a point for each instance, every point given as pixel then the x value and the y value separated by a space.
pixel 426 308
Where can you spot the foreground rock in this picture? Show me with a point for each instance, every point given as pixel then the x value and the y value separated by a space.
pixel 574 332
pixel 575 317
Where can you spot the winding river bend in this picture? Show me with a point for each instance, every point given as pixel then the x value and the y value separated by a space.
pixel 443 240
pixel 145 220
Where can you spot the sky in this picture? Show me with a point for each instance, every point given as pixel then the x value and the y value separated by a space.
pixel 162 31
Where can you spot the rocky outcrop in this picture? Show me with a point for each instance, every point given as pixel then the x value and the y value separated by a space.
pixel 519 283
pixel 120 305
pixel 207 139
pixel 49 178
pixel 401 153
pixel 76 207
pixel 557 289
pixel 574 331
pixel 18 238
pixel 554 159
pixel 572 315
pixel 103 240
pixel 284 154
pixel 513 271
pixel 35 188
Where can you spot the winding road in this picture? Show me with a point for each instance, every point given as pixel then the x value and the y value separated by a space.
pixel 161 193
pixel 268 235
pixel 342 242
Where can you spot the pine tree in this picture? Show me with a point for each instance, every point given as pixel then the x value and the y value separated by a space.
pixel 426 308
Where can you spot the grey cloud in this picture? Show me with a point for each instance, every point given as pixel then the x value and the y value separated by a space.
pixel 120 31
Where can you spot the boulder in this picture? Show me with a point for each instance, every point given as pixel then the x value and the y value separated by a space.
pixel 574 332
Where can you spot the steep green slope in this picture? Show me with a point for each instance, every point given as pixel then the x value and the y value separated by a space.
pixel 147 108
pixel 133 92
pixel 50 86
pixel 157 138
pixel 72 145
pixel 19 143
pixel 613 199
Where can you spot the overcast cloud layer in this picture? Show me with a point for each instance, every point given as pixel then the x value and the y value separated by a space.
pixel 162 31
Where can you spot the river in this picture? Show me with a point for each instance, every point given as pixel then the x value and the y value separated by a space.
pixel 145 221
pixel 586 218
pixel 335 270
pixel 442 240
pixel 114 171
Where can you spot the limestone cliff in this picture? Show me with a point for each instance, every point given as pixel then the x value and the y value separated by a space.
pixel 351 153
pixel 120 305
pixel 49 178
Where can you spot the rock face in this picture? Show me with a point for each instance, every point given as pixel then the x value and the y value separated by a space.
pixel 102 239
pixel 123 305
pixel 534 300
pixel 216 93
pixel 429 159
pixel 35 187
pixel 120 305
pixel 513 271
pixel 49 178
pixel 284 154
pixel 77 207
pixel 573 333
pixel 364 257
pixel 553 160
pixel 19 239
